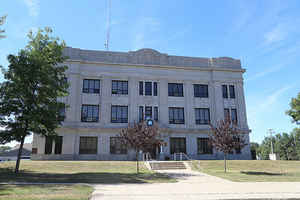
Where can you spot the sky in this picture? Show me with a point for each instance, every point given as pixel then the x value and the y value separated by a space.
pixel 265 35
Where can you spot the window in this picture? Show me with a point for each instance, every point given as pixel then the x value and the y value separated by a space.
pixel 202 115
pixel 48 145
pixel 177 145
pixel 90 113
pixel 226 114
pixel 238 149
pixel 148 112
pixel 155 88
pixel 233 115
pixel 119 87
pixel 231 91
pixel 225 91
pixel 116 146
pixel 141 87
pixel 62 114
pixel 58 145
pixel 119 114
pixel 88 145
pixel 141 113
pixel 91 86
pixel 175 89
pixel 148 88
pixel 201 90
pixel 176 115
pixel 204 146
pixel 156 113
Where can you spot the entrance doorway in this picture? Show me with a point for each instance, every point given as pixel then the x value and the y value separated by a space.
pixel 177 145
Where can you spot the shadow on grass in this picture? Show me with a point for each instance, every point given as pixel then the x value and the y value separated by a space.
pixel 8 175
pixel 10 189
pixel 261 173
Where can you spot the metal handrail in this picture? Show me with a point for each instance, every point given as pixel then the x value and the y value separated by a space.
pixel 181 155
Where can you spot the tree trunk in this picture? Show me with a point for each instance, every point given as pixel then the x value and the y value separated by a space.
pixel 19 155
pixel 137 161
pixel 225 162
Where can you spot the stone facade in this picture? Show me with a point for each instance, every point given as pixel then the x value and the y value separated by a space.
pixel 152 66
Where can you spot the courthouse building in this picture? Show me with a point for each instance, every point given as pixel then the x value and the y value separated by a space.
pixel 182 94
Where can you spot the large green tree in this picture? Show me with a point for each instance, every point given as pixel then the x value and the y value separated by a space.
pixel 2 21
pixel 34 80
pixel 294 112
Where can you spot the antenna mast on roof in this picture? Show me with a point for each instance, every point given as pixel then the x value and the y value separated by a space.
pixel 106 44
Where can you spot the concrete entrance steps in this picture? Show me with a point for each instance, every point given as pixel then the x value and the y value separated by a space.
pixel 167 165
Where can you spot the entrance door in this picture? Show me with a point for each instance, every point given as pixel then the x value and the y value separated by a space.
pixel 177 145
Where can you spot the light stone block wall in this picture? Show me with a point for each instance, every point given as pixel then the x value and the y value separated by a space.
pixel 82 65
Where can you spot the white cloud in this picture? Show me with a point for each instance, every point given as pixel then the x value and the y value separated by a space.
pixel 277 34
pixel 33 7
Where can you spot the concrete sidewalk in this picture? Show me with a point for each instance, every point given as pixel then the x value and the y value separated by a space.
pixel 194 185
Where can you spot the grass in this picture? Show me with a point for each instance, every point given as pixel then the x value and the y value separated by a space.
pixel 96 172
pixel 45 192
pixel 253 170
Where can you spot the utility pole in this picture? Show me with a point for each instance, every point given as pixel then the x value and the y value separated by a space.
pixel 106 44
pixel 271 132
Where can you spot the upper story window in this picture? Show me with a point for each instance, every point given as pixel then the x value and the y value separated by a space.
pixel 119 87
pixel 202 115
pixel 91 86
pixel 225 91
pixel 90 113
pixel 232 91
pixel 175 89
pixel 226 114
pixel 234 115
pixel 148 88
pixel 119 114
pixel 201 90
pixel 148 113
pixel 230 114
pixel 176 115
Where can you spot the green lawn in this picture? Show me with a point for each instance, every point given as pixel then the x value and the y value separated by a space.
pixel 45 192
pixel 101 172
pixel 253 170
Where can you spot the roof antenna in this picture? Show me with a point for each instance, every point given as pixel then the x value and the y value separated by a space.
pixel 106 44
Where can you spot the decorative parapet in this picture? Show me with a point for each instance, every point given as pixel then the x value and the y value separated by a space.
pixel 149 57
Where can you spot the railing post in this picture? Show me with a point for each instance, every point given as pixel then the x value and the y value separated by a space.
pixel 180 156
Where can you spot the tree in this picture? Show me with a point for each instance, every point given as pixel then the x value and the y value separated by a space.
pixel 226 137
pixel 2 21
pixel 141 137
pixel 34 80
pixel 254 149
pixel 294 112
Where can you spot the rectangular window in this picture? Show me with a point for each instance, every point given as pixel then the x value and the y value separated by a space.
pixel 148 112
pixel 141 113
pixel 202 115
pixel 238 149
pixel 48 145
pixel 156 113
pixel 200 90
pixel 175 89
pixel 119 114
pixel 176 115
pixel 177 145
pixel 148 88
pixel 226 114
pixel 155 88
pixel 62 114
pixel 90 113
pixel 203 146
pixel 141 87
pixel 91 86
pixel 58 144
pixel 225 91
pixel 88 145
pixel 233 115
pixel 119 87
pixel 116 146
pixel 231 91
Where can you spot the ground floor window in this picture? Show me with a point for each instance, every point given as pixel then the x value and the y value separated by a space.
pixel 58 145
pixel 203 146
pixel 88 145
pixel 116 146
pixel 177 145
pixel 48 145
